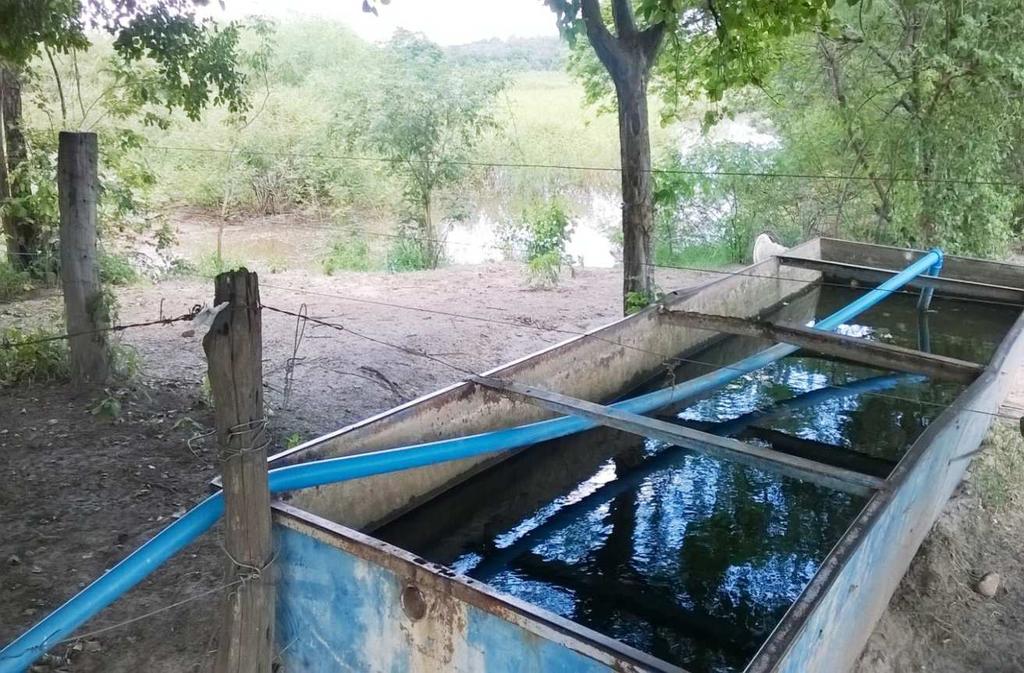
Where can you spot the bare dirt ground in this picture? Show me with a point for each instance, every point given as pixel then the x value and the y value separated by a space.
pixel 83 489
pixel 937 620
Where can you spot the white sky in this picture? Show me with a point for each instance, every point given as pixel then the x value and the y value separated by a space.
pixel 443 21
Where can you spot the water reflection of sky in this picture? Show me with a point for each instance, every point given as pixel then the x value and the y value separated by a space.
pixel 714 540
pixel 882 422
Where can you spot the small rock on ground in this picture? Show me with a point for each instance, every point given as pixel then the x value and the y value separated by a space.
pixel 988 585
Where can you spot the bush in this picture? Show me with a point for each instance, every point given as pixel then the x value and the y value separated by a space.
pixel 698 255
pixel 277 264
pixel 12 281
pixel 210 265
pixel 638 301
pixel 547 229
pixel 182 267
pixel 543 270
pixel 116 270
pixel 997 474
pixel 542 236
pixel 347 254
pixel 33 362
pixel 407 254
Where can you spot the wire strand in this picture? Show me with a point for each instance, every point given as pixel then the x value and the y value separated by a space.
pixel 666 360
pixel 612 169
pixel 676 267
pixel 10 345
pixel 138 618
pixel 348 330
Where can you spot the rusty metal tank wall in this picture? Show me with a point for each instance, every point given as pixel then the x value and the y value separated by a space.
pixel 350 602
pixel 347 602
pixel 826 629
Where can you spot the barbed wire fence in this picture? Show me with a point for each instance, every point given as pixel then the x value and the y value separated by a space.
pixel 303 318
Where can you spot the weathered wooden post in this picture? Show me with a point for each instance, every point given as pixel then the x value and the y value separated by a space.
pixel 234 351
pixel 85 309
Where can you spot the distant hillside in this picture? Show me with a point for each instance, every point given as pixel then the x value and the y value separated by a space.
pixel 517 54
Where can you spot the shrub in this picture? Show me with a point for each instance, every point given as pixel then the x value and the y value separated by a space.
pixel 32 362
pixel 998 472
pixel 347 254
pixel 544 231
pixel 116 270
pixel 547 230
pixel 407 254
pixel 543 270
pixel 638 301
pixel 210 265
pixel 277 264
pixel 12 281
pixel 697 255
pixel 182 267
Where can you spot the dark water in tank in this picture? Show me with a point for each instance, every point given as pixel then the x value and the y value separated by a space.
pixel 682 556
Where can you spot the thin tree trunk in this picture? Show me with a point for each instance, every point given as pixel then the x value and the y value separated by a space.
pixel 21 235
pixel 428 242
pixel 637 190
pixel 628 57
pixel 855 138
pixel 926 218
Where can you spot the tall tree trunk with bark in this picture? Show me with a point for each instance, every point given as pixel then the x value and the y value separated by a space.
pixel 21 235
pixel 637 190
pixel 628 56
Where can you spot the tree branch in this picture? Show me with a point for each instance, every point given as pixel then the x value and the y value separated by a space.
pixel 717 17
pixel 833 68
pixel 650 41
pixel 886 61
pixel 605 45
pixel 78 83
pixel 625 23
pixel 563 9
pixel 60 86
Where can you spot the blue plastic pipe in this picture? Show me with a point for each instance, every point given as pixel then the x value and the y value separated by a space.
pixel 811 398
pixel 62 622
pixel 924 301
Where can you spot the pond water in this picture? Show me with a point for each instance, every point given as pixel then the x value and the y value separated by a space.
pixel 683 556
pixel 596 214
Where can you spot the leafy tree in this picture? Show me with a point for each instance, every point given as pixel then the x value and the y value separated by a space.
pixel 424 116
pixel 926 99
pixel 701 47
pixel 915 106
pixel 180 62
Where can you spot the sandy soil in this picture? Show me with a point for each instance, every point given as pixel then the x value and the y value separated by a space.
pixel 937 620
pixel 82 489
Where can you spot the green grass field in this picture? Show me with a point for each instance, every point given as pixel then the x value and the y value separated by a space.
pixel 545 120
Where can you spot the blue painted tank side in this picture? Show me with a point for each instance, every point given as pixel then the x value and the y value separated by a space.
pixel 338 612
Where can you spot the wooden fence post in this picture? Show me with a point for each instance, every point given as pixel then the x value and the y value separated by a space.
pixel 85 307
pixel 234 352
